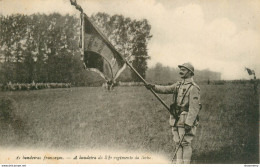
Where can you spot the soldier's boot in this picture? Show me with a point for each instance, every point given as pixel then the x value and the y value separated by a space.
pixel 187 152
pixel 179 156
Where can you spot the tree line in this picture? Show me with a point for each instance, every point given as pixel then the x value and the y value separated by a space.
pixel 165 74
pixel 45 48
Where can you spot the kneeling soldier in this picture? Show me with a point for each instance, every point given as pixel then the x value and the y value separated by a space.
pixel 184 110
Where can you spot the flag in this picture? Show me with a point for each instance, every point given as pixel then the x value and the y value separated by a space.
pixel 250 72
pixel 100 55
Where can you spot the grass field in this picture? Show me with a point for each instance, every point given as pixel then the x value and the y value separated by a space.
pixel 131 118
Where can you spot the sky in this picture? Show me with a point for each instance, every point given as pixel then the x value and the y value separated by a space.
pixel 219 35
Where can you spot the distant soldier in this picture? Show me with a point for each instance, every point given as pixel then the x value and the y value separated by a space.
pixel 184 110
pixel 254 81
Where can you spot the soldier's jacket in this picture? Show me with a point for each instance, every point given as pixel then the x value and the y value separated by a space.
pixel 190 106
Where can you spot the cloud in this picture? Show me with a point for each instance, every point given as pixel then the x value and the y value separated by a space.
pixel 218 45
pixel 36 6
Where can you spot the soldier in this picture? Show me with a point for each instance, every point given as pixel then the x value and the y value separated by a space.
pixel 184 110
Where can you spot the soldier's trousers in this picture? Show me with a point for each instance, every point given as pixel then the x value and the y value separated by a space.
pixel 185 151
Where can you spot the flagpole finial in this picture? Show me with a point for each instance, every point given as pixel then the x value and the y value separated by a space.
pixel 74 3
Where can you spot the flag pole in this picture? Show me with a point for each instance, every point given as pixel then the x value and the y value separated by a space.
pixel 78 7
pixel 142 79
pixel 82 37
pixel 82 29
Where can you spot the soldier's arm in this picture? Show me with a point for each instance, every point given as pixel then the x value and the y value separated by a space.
pixel 194 105
pixel 165 89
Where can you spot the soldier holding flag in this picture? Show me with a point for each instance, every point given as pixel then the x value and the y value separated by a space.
pixel 184 110
pixel 100 56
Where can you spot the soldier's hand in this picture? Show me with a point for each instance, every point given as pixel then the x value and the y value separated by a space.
pixel 149 86
pixel 187 128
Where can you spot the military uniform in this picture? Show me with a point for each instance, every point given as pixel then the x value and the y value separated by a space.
pixel 188 107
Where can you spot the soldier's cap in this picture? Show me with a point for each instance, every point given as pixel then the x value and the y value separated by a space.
pixel 187 66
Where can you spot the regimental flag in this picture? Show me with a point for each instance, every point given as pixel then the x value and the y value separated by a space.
pixel 99 54
pixel 250 72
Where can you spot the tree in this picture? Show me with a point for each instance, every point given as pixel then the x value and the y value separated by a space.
pixel 38 47
pixel 13 30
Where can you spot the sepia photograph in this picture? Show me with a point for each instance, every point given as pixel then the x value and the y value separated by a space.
pixel 129 82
